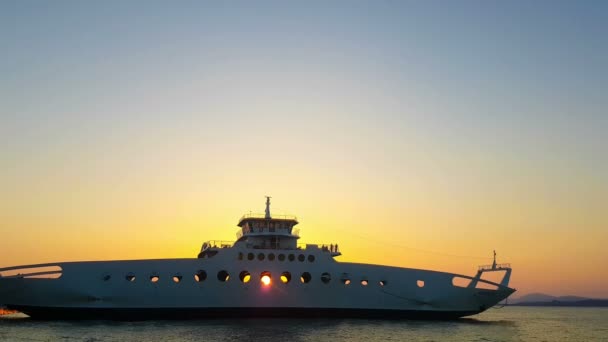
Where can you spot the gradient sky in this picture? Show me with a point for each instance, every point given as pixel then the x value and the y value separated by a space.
pixel 420 134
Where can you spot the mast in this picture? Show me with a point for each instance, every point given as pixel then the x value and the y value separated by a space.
pixel 267 216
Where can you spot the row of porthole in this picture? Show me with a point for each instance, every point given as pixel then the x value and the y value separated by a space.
pixel 154 278
pixel 280 257
pixel 245 277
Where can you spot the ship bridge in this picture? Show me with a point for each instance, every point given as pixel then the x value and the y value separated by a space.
pixel 268 231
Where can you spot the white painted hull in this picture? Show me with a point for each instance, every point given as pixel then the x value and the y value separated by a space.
pixel 83 290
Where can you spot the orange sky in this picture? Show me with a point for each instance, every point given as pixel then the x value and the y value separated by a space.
pixel 407 234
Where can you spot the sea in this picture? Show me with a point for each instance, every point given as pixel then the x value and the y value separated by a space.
pixel 498 324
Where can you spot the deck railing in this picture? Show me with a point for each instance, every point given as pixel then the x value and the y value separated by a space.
pixel 217 244
pixel 51 271
pixel 329 247
pixel 295 232
pixel 494 267
pixel 262 215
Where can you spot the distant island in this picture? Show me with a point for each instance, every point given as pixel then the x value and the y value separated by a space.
pixel 541 299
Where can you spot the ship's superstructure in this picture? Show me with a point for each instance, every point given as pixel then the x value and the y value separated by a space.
pixel 266 272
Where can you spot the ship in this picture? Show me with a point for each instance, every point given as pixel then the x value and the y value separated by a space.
pixel 264 273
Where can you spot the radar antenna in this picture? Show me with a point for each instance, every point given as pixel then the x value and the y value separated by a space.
pixel 267 216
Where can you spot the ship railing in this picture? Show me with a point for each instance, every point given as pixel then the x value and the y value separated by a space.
pixel 50 271
pixel 325 247
pixel 294 233
pixel 262 216
pixel 494 267
pixel 217 244
pixel 329 247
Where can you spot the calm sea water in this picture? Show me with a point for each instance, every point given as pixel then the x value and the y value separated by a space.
pixel 506 324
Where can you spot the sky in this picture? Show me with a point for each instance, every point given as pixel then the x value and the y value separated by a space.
pixel 420 134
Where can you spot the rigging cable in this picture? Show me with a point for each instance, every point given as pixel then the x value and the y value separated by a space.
pixel 367 238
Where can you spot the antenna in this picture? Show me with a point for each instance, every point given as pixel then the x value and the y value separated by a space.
pixel 267 216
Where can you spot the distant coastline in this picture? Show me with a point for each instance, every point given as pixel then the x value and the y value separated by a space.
pixel 541 299
pixel 578 303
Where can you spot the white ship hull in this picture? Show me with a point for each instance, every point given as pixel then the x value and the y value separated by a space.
pixel 101 290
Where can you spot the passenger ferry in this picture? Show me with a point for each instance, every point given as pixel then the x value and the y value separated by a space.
pixel 265 273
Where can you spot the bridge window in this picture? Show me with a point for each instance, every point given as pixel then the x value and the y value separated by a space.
pixel 200 276
pixel 223 276
pixel 420 283
pixel 305 277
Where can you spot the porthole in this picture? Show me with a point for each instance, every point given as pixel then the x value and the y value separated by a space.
pixel 130 277
pixel 223 276
pixel 311 258
pixel 200 276
pixel 345 281
pixel 177 278
pixel 364 282
pixel 325 278
pixel 291 257
pixel 240 256
pixel 265 278
pixel 301 258
pixel 270 257
pixel 245 276
pixel 285 277
pixel 106 277
pixel 261 256
pixel 250 256
pixel 420 283
pixel 382 282
pixel 154 278
pixel 305 277
pixel 281 257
